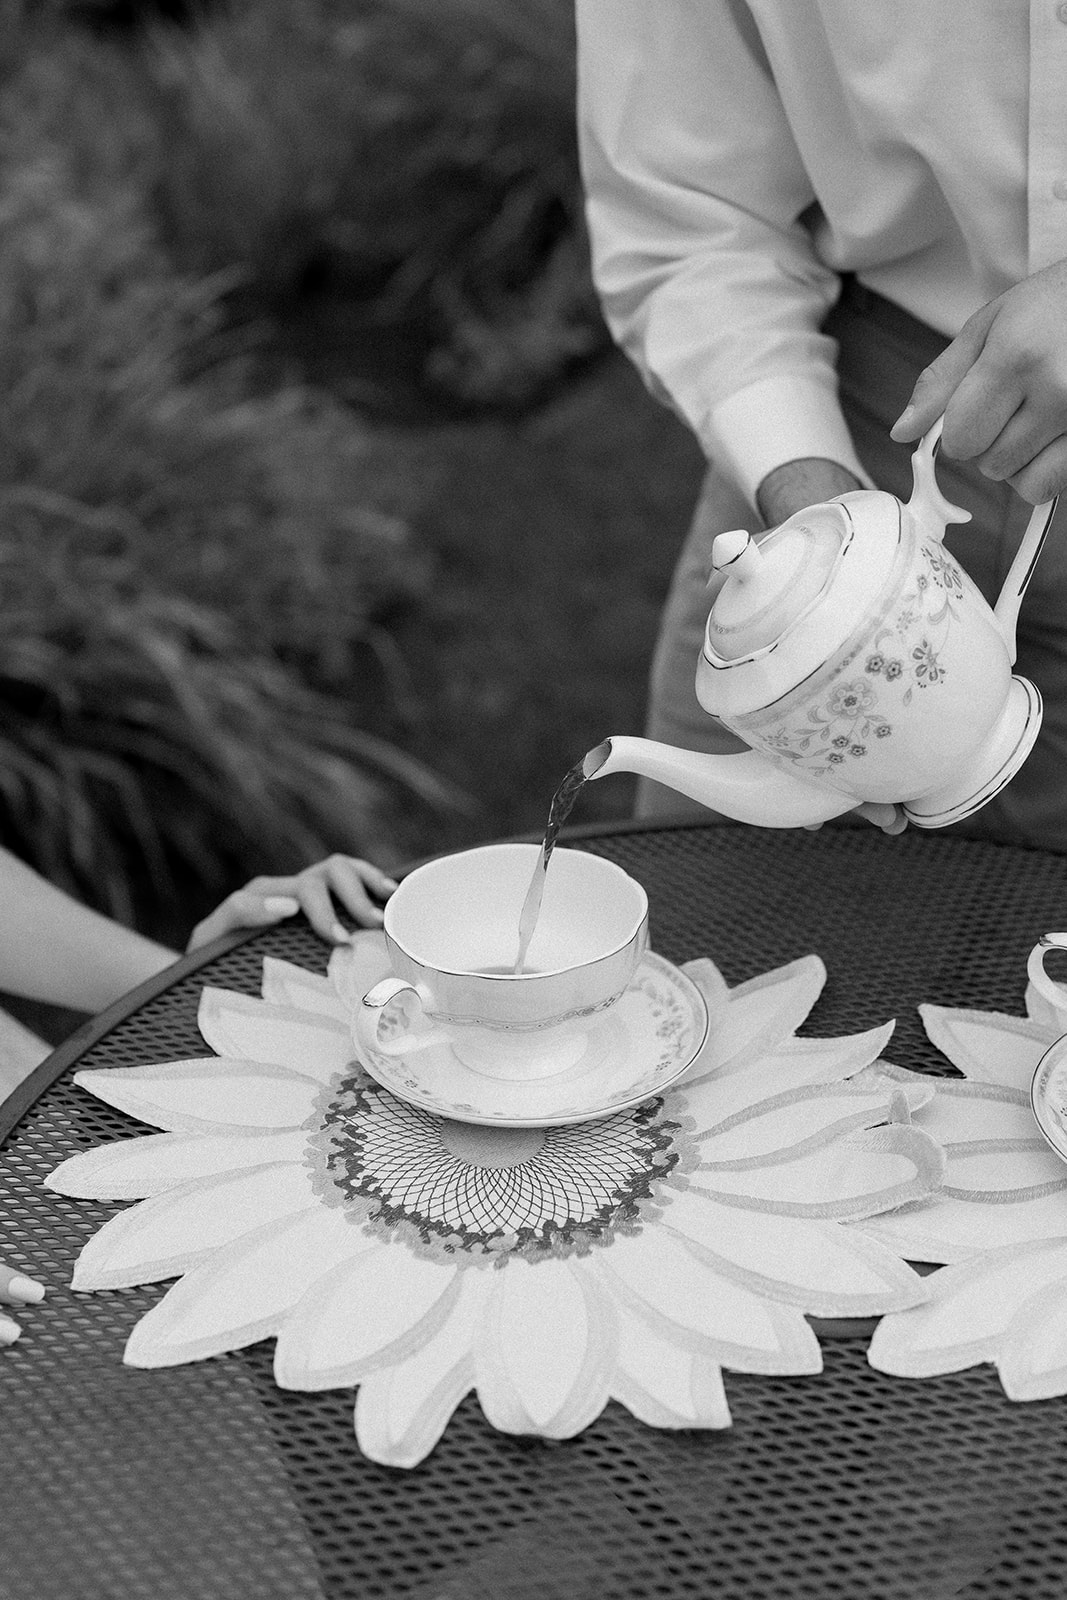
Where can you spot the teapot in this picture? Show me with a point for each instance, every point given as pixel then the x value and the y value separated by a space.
pixel 859 662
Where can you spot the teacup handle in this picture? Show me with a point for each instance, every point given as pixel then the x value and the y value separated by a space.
pixel 1052 991
pixel 369 1016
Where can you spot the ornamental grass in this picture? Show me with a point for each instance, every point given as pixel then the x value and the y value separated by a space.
pixel 189 577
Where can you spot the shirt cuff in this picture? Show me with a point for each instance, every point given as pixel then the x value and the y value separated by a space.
pixel 785 418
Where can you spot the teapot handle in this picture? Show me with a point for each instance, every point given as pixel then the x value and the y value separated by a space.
pixel 928 498
pixel 1021 571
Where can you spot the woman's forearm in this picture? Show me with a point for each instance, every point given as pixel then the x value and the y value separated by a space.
pixel 55 949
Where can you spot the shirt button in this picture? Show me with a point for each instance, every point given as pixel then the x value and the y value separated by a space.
pixel 1059 188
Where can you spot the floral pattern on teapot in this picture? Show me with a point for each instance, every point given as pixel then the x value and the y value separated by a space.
pixel 903 657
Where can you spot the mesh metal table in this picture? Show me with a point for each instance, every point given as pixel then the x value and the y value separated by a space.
pixel 208 1481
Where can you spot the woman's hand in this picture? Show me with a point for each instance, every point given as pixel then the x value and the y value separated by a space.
pixel 344 879
pixel 16 1290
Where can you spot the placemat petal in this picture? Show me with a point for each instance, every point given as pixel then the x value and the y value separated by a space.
pixel 799 1062
pixel 760 1015
pixel 163 1237
pixel 403 1409
pixel 545 1350
pixel 286 984
pixel 357 966
pixel 657 1277
pixel 241 1293
pixel 955 1109
pixel 382 1304
pixel 787 1124
pixel 971 1312
pixel 992 1170
pixel 859 1174
pixel 665 1384
pixel 988 1046
pixel 923 1232
pixel 240 1026
pixel 825 1269
pixel 134 1169
pixel 207 1095
pixel 1032 1359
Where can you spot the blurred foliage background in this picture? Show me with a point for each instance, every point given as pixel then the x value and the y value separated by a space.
pixel 328 517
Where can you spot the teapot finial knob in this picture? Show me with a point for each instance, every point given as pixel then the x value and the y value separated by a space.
pixel 738 550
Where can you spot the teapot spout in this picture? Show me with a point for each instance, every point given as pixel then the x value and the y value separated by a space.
pixel 746 787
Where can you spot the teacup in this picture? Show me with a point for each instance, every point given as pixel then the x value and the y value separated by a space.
pixel 452 931
pixel 1053 994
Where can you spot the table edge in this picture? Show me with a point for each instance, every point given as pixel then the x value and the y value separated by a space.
pixel 24 1096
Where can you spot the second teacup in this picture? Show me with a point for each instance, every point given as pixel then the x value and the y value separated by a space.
pixel 452 932
pixel 1053 994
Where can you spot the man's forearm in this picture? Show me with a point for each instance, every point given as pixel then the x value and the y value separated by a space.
pixel 798 484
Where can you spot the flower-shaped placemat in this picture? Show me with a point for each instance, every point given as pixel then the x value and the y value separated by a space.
pixel 999 1221
pixel 548 1269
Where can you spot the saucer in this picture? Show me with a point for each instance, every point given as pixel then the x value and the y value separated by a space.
pixel 1048 1096
pixel 647 1040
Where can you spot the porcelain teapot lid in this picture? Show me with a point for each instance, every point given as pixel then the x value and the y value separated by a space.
pixel 767 585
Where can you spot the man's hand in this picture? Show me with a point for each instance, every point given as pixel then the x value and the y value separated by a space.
pixel 796 485
pixel 1002 385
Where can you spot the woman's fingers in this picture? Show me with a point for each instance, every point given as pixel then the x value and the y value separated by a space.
pixel 314 895
pixel 352 881
pixel 16 1289
pixel 245 908
pixel 356 885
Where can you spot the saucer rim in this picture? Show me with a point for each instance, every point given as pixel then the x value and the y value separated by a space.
pixel 1039 1104
pixel 597 1114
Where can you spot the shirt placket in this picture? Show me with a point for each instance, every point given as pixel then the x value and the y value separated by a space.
pixel 1047 186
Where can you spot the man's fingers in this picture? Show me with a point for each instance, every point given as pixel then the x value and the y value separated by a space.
pixel 983 405
pixel 1045 476
pixel 937 383
pixel 890 819
pixel 1022 438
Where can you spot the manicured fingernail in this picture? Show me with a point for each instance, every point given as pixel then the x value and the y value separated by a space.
pixel 904 419
pixel 26 1290
pixel 390 883
pixel 9 1331
pixel 281 905
pixel 338 934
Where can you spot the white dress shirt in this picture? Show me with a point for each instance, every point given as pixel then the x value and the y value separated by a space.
pixel 738 156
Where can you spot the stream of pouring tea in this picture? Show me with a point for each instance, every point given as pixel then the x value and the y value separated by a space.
pixel 558 812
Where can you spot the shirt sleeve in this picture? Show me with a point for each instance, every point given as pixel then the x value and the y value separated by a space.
pixel 695 191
